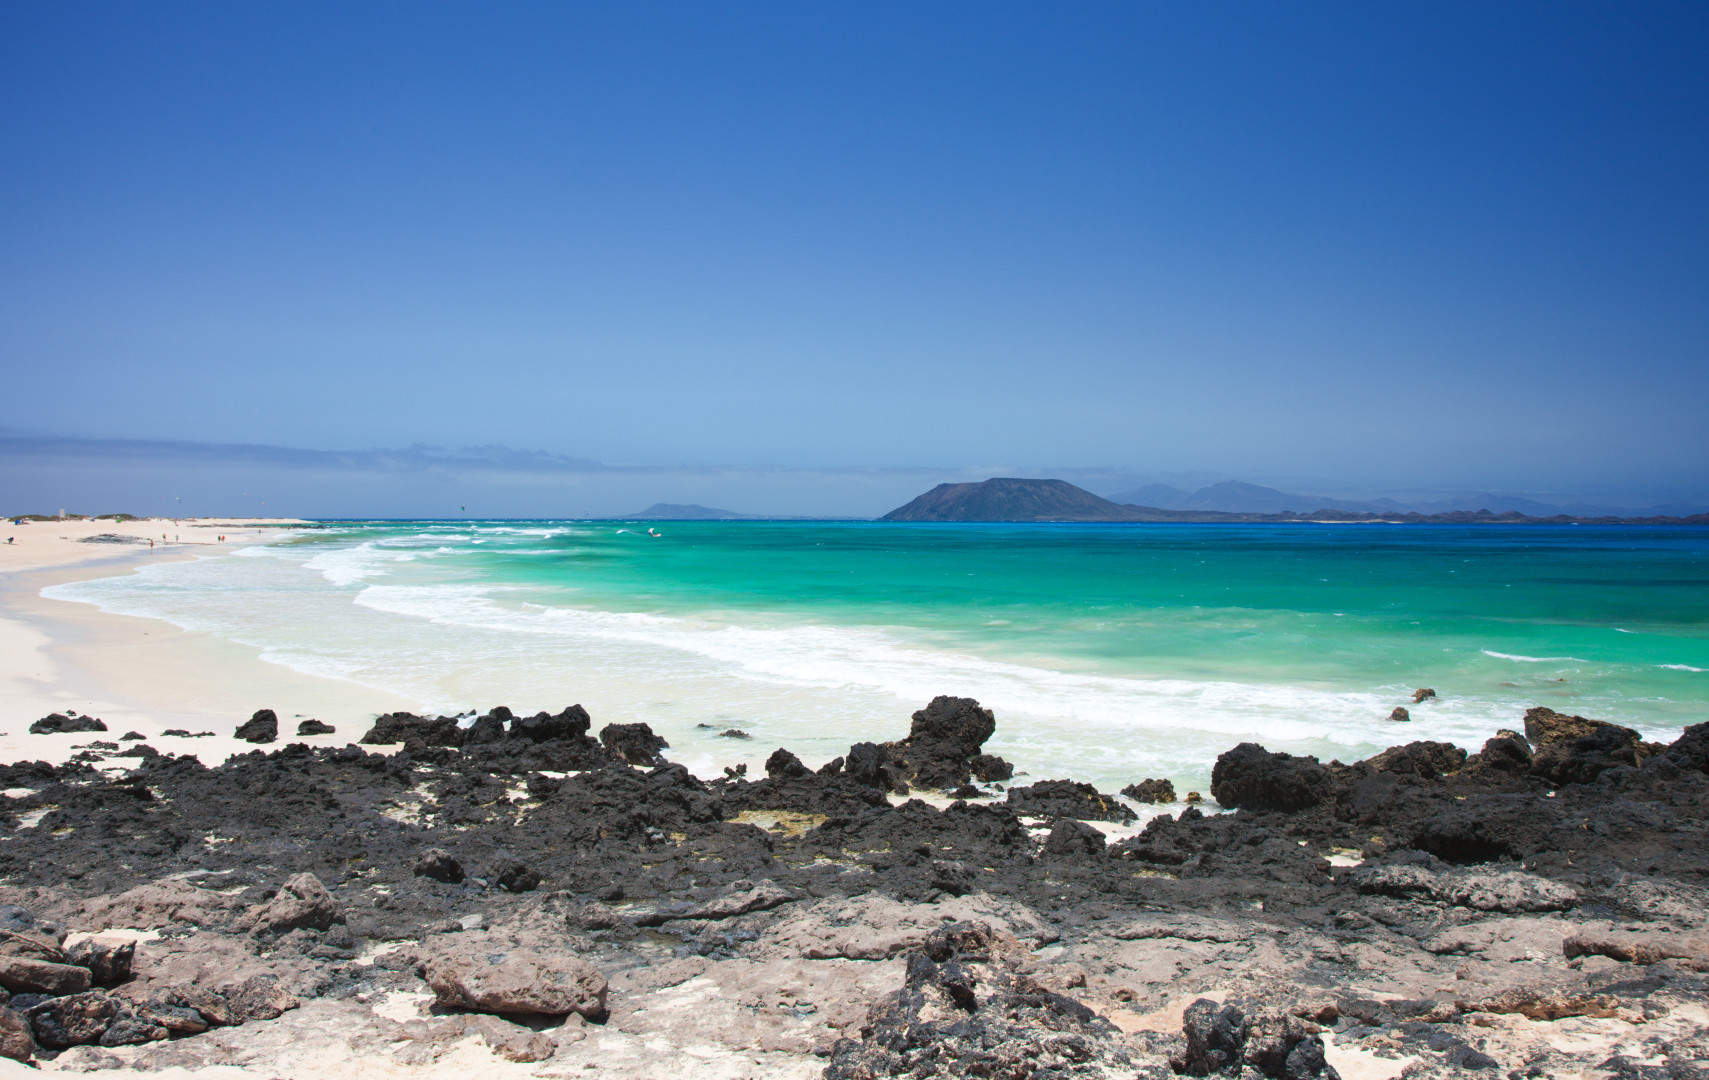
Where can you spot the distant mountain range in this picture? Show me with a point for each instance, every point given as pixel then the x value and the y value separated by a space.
pixel 1234 497
pixel 1018 500
pixel 689 512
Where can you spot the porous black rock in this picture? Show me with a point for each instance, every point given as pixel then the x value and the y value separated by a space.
pixel 263 727
pixel 1151 791
pixel 108 959
pixel 1422 759
pixel 634 743
pixel 1252 777
pixel 572 723
pixel 783 765
pixel 512 874
pixel 1068 799
pixel 55 723
pixel 942 741
pixel 315 727
pixel 438 864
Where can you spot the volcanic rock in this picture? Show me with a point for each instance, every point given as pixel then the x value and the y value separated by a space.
pixel 1640 946
pixel 634 743
pixel 1422 695
pixel 1074 841
pixel 870 764
pixel 28 945
pixel 75 1020
pixel 1505 891
pixel 437 864
pixel 989 768
pixel 572 723
pixel 132 736
pixel 54 723
pixel 783 765
pixel 1507 753
pixel 1574 750
pixel 301 902
pixel 1400 715
pixel 1252 777
pixel 263 727
pixel 16 1040
pixel 517 981
pixel 413 731
pixel 20 975
pixel 944 738
pixel 511 874
pixel 1221 1039
pixel 1423 759
pixel 1068 799
pixel 315 727
pixel 1151 791
pixel 1691 749
pixel 107 958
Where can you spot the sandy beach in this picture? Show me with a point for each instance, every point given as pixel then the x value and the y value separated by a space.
pixel 137 674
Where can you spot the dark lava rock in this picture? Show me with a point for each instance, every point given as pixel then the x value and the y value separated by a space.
pixel 1224 1039
pixel 1489 827
pixel 54 723
pixel 572 723
pixel 1424 694
pixel 437 864
pixel 1400 715
pixel 413 731
pixel 511 874
pixel 132 736
pixel 74 1020
pixel 1068 799
pixel 1252 777
pixel 634 743
pixel 1507 753
pixel 1151 791
pixel 944 738
pixel 315 727
pixel 735 733
pixel 1691 749
pixel 16 1040
pixel 1074 841
pixel 108 959
pixel 263 727
pixel 962 1013
pixel 989 768
pixel 1425 759
pixel 783 765
pixel 871 764
pixel 1574 750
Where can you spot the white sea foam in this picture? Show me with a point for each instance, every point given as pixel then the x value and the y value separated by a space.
pixel 1681 667
pixel 1533 659
pixel 368 613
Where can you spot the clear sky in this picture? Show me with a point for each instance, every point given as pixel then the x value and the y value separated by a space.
pixel 1340 244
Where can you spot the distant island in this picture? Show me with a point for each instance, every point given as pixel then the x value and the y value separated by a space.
pixel 689 512
pixel 1010 499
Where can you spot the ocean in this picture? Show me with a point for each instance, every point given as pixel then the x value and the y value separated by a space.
pixel 1109 653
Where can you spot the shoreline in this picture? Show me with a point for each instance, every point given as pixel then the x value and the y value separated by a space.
pixel 518 898
pixel 143 674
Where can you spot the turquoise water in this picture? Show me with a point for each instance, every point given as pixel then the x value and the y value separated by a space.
pixel 1109 652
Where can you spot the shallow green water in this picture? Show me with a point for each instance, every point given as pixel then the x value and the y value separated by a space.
pixel 1106 650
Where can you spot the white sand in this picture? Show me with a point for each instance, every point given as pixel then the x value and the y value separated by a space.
pixel 143 675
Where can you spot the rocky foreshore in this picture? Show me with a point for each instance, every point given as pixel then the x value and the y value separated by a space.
pixel 515 896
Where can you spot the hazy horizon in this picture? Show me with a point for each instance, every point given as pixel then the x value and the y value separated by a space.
pixel 41 474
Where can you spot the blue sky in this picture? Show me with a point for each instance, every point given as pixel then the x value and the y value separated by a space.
pixel 1346 246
